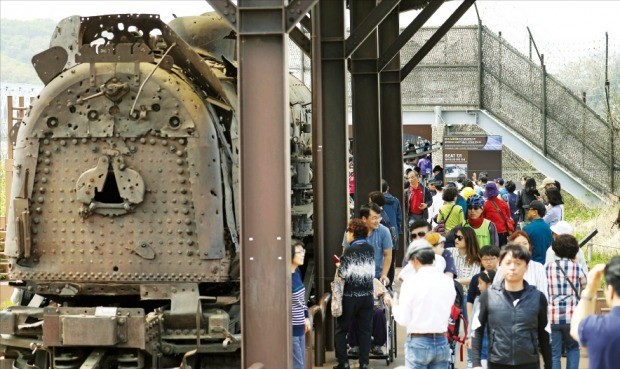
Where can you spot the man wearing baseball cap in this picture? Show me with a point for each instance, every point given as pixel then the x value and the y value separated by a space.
pixel 560 228
pixel 538 231
pixel 424 308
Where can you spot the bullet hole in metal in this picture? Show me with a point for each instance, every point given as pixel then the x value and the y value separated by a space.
pixel 174 122
pixel 115 268
pixel 72 109
pixel 155 107
pixel 52 122
pixel 92 115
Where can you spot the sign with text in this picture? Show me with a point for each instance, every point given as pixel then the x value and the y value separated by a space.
pixel 472 154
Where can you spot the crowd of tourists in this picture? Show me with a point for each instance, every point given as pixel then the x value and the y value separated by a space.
pixel 506 258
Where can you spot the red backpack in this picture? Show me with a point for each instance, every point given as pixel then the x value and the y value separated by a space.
pixel 456 317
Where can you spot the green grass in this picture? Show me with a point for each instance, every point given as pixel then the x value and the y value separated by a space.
pixel 601 256
pixel 576 211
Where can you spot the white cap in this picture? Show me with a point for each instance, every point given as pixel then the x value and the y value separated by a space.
pixel 562 227
pixel 417 245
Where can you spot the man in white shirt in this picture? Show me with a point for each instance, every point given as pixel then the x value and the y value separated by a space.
pixel 438 202
pixel 424 308
pixel 560 228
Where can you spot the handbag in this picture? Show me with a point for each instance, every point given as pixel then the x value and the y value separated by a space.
pixel 337 291
pixel 568 279
pixel 441 225
pixel 510 225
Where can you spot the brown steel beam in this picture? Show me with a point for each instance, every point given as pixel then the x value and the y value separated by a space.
pixel 434 39
pixel 227 10
pixel 329 140
pixel 304 43
pixel 390 52
pixel 369 24
pixel 296 10
pixel 330 133
pixel 391 114
pixel 265 184
pixel 307 23
pixel 365 99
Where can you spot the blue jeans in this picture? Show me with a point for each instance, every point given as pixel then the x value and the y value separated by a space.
pixel 559 333
pixel 427 352
pixel 299 352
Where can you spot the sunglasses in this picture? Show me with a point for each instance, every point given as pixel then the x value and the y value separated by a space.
pixel 474 208
pixel 416 235
pixel 460 238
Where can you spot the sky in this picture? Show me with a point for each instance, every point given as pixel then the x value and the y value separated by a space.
pixel 563 30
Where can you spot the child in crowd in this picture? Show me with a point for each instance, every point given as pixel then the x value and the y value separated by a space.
pixel 485 281
pixel 489 256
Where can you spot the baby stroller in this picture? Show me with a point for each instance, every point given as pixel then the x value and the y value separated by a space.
pixel 454 325
pixel 383 313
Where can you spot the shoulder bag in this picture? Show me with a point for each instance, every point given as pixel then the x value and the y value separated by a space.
pixel 337 291
pixel 441 225
pixel 510 224
pixel 557 262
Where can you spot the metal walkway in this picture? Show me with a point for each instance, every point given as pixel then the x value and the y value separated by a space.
pixel 473 76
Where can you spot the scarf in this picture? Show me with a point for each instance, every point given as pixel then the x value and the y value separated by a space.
pixel 475 223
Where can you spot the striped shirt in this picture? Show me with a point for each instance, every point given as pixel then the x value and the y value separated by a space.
pixel 298 304
pixel 562 298
pixel 464 269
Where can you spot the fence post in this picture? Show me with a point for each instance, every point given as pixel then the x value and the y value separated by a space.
pixel 544 103
pixel 480 82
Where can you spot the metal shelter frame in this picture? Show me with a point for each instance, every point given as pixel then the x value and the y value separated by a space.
pixel 373 46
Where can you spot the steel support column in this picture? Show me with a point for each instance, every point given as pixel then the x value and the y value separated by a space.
pixel 368 25
pixel 329 138
pixel 391 115
pixel 365 101
pixel 265 183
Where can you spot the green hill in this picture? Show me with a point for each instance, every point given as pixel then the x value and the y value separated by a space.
pixel 20 40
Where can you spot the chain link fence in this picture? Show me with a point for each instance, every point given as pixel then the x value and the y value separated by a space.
pixel 474 68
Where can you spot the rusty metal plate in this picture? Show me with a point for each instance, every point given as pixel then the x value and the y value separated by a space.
pixel 50 63
pixel 7 322
pixel 78 330
pixel 120 53
pixel 133 329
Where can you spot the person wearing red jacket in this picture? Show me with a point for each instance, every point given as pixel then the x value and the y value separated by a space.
pixel 498 212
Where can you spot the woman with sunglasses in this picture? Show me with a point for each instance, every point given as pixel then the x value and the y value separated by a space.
pixel 485 230
pixel 465 254
pixel 466 258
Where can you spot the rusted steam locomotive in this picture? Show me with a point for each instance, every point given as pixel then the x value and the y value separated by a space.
pixel 123 233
